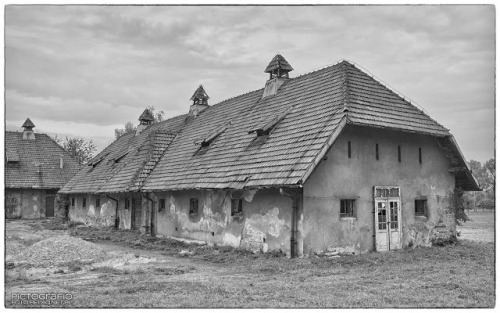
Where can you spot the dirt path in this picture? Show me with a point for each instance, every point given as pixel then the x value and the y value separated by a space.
pixel 139 264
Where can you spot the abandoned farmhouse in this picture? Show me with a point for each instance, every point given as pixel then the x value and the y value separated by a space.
pixel 36 167
pixel 329 160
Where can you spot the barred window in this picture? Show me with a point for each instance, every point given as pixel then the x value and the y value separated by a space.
pixel 347 208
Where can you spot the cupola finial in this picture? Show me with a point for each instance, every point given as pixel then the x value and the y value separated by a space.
pixel 278 67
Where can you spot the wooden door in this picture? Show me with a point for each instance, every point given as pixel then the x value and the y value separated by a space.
pixel 49 206
pixel 387 218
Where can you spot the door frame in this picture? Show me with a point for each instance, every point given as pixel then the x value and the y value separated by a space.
pixel 387 199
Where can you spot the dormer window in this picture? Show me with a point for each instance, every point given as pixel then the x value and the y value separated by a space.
pixel 268 126
pixel 205 143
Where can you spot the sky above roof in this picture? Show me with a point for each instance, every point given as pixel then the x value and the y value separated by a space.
pixel 82 71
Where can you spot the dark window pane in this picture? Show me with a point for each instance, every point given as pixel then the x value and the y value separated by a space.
pixel 193 206
pixel 421 207
pixel 347 208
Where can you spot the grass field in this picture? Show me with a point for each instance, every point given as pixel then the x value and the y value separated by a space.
pixel 461 276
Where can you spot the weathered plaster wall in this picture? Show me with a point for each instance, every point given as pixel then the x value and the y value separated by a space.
pixel 264 224
pixel 339 177
pixel 105 214
pixel 26 203
pixel 90 214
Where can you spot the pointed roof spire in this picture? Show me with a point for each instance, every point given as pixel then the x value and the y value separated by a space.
pixel 200 96
pixel 146 117
pixel 28 123
pixel 278 67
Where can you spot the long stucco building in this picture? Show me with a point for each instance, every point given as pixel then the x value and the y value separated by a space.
pixel 35 168
pixel 329 160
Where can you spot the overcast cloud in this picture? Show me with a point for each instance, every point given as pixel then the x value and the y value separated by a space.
pixel 85 70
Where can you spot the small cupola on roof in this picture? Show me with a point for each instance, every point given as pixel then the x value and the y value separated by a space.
pixel 145 120
pixel 278 70
pixel 28 133
pixel 200 101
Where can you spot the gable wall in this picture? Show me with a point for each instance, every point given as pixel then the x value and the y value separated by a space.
pixel 340 177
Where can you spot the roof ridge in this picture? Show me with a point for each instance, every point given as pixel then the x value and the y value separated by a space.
pixel 345 89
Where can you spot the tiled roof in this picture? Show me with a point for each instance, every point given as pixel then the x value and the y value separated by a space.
pixel 36 163
pixel 310 112
pixel 146 116
pixel 278 62
pixel 200 93
pixel 28 123
pixel 249 141
pixel 123 165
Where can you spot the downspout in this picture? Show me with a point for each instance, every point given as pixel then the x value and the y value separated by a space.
pixel 293 235
pixel 152 216
pixel 117 218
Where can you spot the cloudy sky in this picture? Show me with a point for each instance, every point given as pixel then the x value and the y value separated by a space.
pixel 85 70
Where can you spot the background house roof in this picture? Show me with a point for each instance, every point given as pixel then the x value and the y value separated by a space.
pixel 36 163
pixel 122 165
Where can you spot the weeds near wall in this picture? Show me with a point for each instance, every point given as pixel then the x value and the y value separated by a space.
pixel 458 206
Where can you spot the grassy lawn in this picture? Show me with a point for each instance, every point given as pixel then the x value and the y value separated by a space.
pixel 461 275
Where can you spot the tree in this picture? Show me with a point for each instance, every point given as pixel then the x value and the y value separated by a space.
pixel 485 174
pixel 130 128
pixel 78 148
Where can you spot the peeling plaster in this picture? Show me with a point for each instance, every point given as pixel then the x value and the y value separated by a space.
pixel 257 226
pixel 249 194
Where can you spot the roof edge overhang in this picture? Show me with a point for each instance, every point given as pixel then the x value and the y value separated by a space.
pixel 473 184
pixel 298 185
pixel 34 188
pixel 427 133
pixel 329 143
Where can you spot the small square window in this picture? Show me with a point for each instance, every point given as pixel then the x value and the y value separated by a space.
pixel 84 202
pixel 236 206
pixel 161 206
pixel 97 202
pixel 72 201
pixel 347 208
pixel 193 206
pixel 421 207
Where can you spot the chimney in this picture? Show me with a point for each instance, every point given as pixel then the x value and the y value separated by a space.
pixel 278 70
pixel 145 120
pixel 200 101
pixel 28 133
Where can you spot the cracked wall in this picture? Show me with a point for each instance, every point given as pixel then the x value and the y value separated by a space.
pixel 263 226
pixel 340 177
